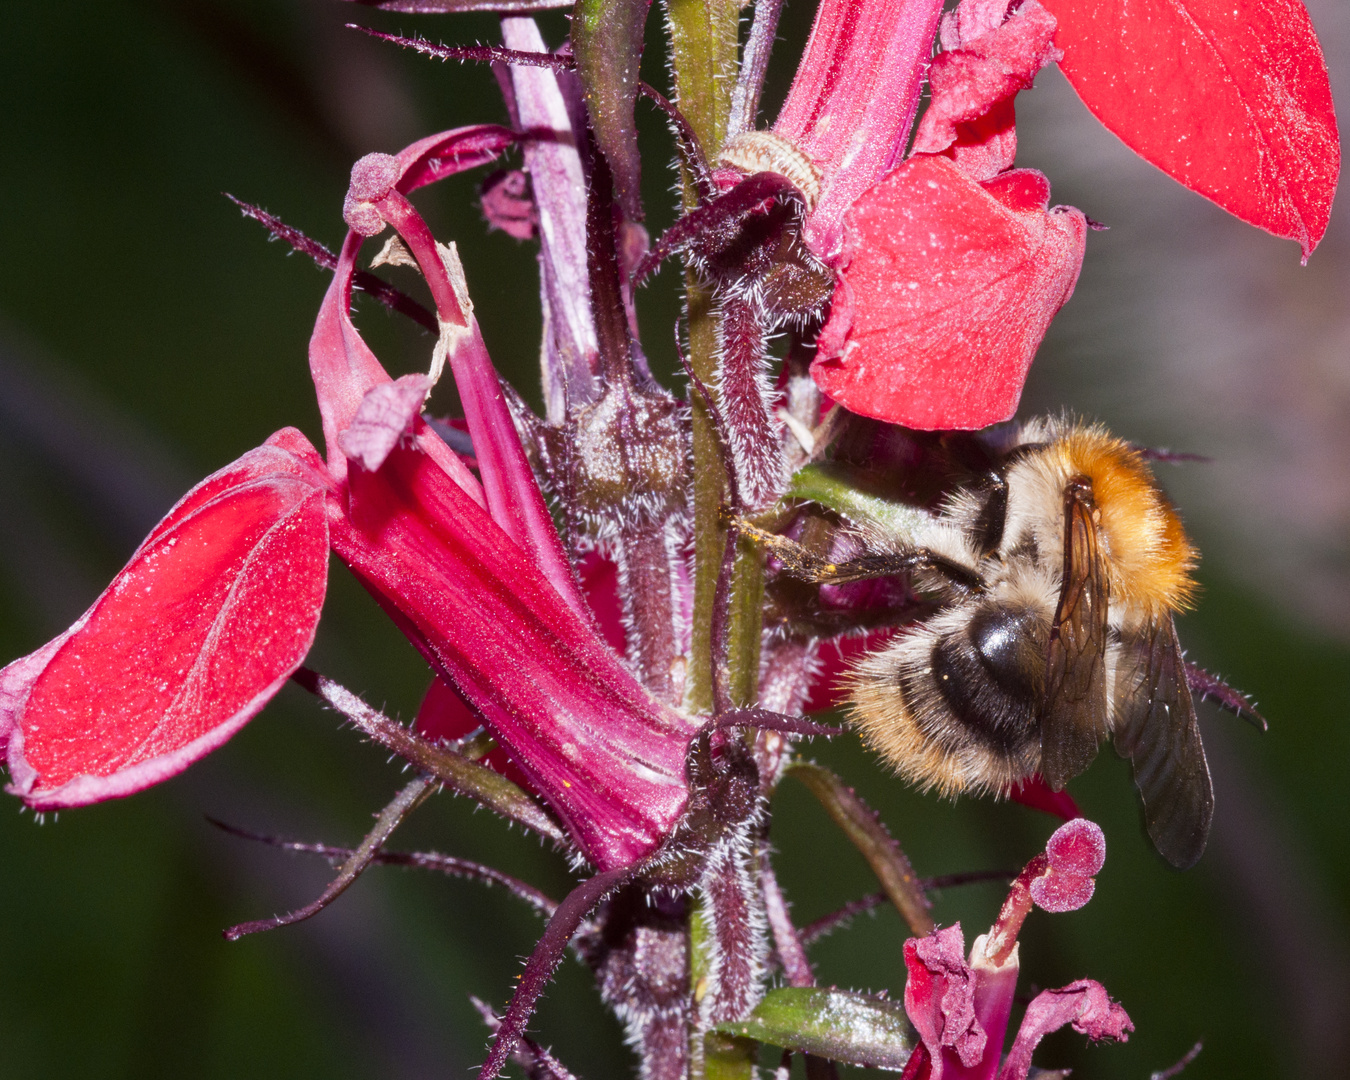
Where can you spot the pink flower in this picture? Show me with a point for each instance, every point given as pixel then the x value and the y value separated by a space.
pixel 960 1009
pixel 219 605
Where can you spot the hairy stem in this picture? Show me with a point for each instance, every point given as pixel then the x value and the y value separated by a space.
pixel 748 403
pixel 645 586
pixel 454 770
pixel 860 823
pixel 405 802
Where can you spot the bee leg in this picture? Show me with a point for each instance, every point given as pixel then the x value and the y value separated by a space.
pixel 801 563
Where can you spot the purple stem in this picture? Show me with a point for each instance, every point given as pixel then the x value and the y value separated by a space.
pixel 690 148
pixel 1211 686
pixel 404 803
pixel 748 403
pixel 717 218
pixel 456 771
pixel 1175 1070
pixel 647 593
pixel 481 54
pixel 773 721
pixel 737 939
pixel 418 860
pixel 364 280
pixel 720 619
pixel 446 7
pixel 559 183
pixel 545 958
pixel 754 66
pixel 791 948
pixel 536 1062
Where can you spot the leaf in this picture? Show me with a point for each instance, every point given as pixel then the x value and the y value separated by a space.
pixel 195 635
pixel 607 42
pixel 1229 97
pixel 842 1025
pixel 946 288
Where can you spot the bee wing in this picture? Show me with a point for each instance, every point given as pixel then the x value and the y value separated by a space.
pixel 1157 730
pixel 1074 720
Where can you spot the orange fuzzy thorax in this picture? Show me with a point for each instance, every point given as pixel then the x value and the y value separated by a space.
pixel 1150 557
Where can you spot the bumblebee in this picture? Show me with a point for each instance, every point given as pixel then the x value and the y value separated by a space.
pixel 1055 573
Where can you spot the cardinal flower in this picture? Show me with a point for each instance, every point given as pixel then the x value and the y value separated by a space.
pixel 949 263
pixel 219 605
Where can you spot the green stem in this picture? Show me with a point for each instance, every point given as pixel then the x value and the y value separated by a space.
pixel 704 36
pixel 704 43
pixel 704 39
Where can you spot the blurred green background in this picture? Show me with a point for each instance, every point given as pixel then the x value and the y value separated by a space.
pixel 148 335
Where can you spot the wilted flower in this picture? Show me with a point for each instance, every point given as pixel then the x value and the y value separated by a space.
pixel 960 1009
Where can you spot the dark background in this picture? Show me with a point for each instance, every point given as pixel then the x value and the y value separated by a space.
pixel 148 336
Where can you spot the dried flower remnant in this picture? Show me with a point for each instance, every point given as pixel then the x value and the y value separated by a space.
pixel 506 202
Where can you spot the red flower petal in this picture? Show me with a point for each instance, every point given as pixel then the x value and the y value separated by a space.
pixel 443 714
pixel 608 757
pixel 1230 97
pixel 191 639
pixel 974 79
pixel 1035 793
pixel 853 99
pixel 946 291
